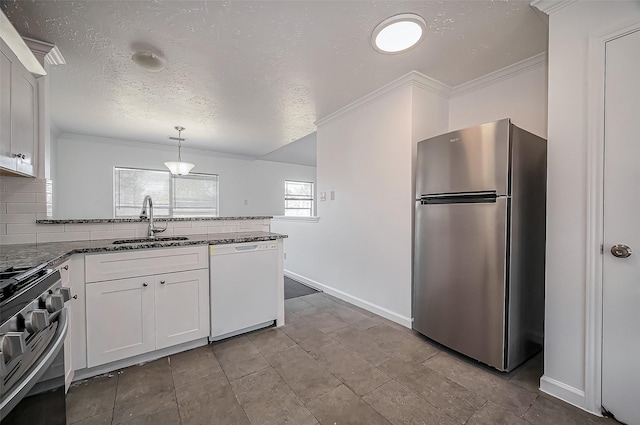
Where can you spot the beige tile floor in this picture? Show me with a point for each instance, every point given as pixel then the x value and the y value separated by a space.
pixel 333 363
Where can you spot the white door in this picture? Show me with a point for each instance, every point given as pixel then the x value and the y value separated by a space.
pixel 24 130
pixel 621 291
pixel 120 319
pixel 6 158
pixel 182 307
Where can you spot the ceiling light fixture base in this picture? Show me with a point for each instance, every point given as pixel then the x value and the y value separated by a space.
pixel 398 33
pixel 148 61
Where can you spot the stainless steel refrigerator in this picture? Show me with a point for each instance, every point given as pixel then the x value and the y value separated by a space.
pixel 478 281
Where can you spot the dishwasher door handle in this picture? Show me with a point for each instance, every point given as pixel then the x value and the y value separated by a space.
pixel 246 248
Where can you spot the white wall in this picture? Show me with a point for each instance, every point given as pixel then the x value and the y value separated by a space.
pixel 521 97
pixel 360 249
pixel 83 176
pixel 570 29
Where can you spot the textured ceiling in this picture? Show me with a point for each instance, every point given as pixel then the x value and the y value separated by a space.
pixel 248 77
pixel 302 151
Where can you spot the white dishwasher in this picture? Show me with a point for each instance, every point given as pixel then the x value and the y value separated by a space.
pixel 244 286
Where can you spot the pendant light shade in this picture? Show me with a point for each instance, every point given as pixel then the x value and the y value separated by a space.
pixel 178 167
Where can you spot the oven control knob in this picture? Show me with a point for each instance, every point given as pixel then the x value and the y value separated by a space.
pixel 65 292
pixel 36 321
pixel 13 345
pixel 54 302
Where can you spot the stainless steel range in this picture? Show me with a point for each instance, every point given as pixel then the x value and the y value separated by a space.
pixel 33 326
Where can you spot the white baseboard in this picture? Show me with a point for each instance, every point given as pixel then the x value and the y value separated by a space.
pixel 380 311
pixel 563 391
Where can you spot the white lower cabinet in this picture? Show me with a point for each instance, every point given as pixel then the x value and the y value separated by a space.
pixel 133 316
pixel 181 307
pixel 128 317
pixel 68 347
pixel 75 343
pixel 120 319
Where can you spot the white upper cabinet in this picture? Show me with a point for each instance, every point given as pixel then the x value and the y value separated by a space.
pixel 18 115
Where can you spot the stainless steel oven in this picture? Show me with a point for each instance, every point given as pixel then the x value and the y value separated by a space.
pixel 33 326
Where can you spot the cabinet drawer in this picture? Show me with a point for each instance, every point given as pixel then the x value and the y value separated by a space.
pixel 146 262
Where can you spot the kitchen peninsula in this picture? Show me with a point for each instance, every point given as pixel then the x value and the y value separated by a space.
pixel 134 298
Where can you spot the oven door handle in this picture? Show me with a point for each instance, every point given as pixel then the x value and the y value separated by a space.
pixel 22 387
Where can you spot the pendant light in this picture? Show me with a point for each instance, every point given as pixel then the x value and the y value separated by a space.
pixel 178 167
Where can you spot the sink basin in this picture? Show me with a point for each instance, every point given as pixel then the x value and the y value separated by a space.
pixel 151 240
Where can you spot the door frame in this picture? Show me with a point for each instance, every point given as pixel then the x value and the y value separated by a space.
pixel 594 248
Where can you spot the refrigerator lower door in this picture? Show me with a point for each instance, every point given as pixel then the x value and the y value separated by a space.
pixel 459 277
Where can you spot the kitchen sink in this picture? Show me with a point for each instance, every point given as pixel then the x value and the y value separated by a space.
pixel 151 240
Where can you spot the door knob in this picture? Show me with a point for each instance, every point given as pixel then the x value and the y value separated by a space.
pixel 621 251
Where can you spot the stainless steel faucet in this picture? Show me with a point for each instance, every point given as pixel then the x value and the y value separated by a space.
pixel 143 215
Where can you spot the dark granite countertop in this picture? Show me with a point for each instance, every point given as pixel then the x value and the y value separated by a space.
pixel 55 253
pixel 135 220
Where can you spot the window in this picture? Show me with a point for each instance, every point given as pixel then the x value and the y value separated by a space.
pixel 298 198
pixel 193 195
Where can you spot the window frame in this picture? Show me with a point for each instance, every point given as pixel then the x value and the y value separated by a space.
pixel 312 198
pixel 171 191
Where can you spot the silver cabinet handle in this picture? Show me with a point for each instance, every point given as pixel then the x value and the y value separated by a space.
pixel 145 284
pixel 162 282
pixel 621 251
pixel 66 267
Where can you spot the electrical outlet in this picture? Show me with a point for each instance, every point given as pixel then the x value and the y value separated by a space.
pixel 285 255
pixel 323 196
pixel 333 195
pixel 246 202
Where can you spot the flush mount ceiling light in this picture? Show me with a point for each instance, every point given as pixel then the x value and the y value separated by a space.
pixel 148 61
pixel 398 33
pixel 178 167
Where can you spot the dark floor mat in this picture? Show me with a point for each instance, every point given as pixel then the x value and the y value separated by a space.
pixel 293 289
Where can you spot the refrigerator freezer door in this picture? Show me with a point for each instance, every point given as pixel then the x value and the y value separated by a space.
pixel 473 159
pixel 459 277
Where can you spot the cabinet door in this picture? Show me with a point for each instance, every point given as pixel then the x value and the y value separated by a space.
pixel 6 159
pixel 68 352
pixel 182 307
pixel 120 319
pixel 73 277
pixel 24 133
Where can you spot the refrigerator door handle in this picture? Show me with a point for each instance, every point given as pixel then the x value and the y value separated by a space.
pixel 459 198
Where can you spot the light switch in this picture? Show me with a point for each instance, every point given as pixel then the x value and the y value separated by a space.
pixel 323 196
pixel 333 195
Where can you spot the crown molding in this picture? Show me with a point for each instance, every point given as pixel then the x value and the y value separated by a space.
pixel 551 6
pixel 48 52
pixel 505 73
pixel 413 78
pixel 172 148
pixel 14 41
pixel 416 79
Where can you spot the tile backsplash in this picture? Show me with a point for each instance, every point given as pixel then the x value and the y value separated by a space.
pixel 22 202
pixel 25 200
